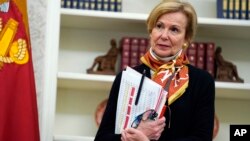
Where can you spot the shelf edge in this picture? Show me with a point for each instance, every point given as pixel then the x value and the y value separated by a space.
pixel 110 78
pixel 231 85
pixel 143 17
pixel 105 14
pixel 85 77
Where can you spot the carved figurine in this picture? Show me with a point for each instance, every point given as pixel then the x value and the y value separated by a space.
pixel 105 64
pixel 226 71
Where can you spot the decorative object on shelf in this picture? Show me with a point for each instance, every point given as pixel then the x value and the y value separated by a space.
pixel 105 64
pixel 225 70
pixel 99 111
pixel 216 126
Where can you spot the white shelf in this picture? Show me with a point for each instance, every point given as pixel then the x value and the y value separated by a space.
pixel 103 20
pixel 86 77
pixel 124 21
pixel 231 85
pixel 104 14
pixel 83 81
pixel 142 17
pixel 226 28
pixel 230 90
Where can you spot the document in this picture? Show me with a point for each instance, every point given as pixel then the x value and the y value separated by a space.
pixel 152 96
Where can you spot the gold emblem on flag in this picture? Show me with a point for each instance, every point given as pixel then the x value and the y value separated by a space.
pixel 12 51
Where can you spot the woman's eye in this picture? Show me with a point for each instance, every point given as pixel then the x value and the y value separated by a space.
pixel 175 30
pixel 159 26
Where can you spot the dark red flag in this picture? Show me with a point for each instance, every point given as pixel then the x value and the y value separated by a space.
pixel 18 105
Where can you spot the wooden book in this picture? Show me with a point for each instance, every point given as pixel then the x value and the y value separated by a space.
pixel 143 46
pixel 134 52
pixel 210 48
pixel 201 55
pixel 118 5
pixel 222 8
pixel 125 52
pixel 192 53
pixel 248 9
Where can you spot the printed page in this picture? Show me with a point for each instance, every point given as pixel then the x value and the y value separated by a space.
pixel 150 97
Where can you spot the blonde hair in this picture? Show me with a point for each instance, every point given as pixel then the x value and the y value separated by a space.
pixel 170 6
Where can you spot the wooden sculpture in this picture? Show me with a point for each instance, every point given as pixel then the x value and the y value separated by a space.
pixel 226 70
pixel 105 64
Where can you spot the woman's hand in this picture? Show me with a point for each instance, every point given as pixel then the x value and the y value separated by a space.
pixel 152 128
pixel 147 130
pixel 132 134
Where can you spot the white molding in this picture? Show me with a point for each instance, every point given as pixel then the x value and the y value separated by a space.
pixel 50 70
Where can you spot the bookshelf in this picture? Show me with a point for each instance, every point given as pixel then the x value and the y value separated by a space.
pixel 83 35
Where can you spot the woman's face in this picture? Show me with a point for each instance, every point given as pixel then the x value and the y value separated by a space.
pixel 168 35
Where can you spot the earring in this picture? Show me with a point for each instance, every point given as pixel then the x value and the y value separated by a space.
pixel 184 46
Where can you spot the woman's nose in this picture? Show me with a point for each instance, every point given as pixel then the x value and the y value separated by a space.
pixel 165 34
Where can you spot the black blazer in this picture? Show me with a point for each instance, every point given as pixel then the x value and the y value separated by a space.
pixel 192 115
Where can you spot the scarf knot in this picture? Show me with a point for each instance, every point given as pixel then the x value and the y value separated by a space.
pixel 163 70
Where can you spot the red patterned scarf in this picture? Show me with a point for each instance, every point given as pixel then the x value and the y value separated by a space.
pixel 163 70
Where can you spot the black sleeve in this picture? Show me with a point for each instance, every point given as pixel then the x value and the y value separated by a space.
pixel 106 131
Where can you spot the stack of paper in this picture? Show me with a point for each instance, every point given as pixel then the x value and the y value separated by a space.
pixel 152 96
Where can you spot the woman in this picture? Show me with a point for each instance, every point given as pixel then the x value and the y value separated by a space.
pixel 190 114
